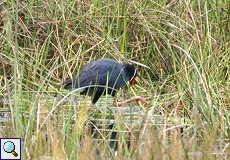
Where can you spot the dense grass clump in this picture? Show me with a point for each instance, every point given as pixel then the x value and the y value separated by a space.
pixel 182 52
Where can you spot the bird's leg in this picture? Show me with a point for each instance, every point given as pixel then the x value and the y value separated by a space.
pixel 119 104
pixel 137 99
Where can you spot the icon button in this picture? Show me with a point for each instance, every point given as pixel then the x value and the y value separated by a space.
pixel 10 148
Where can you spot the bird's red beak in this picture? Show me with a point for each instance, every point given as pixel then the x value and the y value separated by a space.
pixel 132 82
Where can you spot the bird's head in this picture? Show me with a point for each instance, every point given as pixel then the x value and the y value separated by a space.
pixel 131 73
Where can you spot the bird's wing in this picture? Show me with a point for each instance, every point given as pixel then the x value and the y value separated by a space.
pixel 85 76
pixel 91 73
pixel 100 72
pixel 95 73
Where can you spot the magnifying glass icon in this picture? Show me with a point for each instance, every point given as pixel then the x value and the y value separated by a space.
pixel 9 147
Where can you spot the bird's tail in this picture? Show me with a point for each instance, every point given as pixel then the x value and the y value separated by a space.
pixel 70 83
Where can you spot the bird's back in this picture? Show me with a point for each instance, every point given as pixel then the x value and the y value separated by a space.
pixel 105 73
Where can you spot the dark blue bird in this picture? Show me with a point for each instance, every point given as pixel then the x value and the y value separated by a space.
pixel 104 76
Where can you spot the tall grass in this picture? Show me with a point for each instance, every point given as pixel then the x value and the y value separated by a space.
pixel 184 43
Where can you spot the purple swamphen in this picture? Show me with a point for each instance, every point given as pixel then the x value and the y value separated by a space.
pixel 104 76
